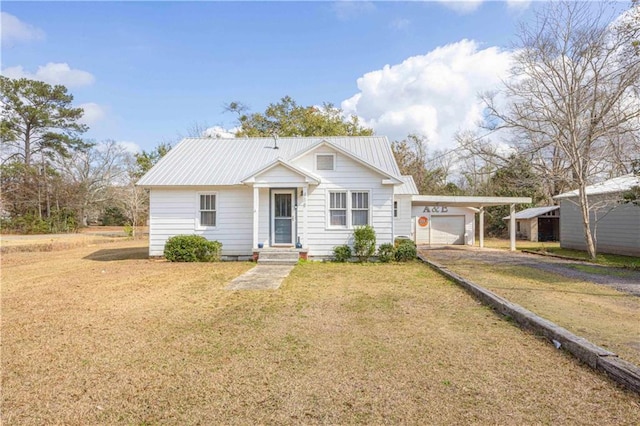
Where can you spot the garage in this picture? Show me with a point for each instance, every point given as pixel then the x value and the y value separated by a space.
pixel 447 229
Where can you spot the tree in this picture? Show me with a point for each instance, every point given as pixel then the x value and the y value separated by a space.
pixel 147 159
pixel 287 118
pixel 38 120
pixel 92 172
pixel 573 89
pixel 411 156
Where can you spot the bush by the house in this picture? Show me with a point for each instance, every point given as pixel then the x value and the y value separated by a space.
pixel 405 250
pixel 342 253
pixel 386 252
pixel 364 245
pixel 192 248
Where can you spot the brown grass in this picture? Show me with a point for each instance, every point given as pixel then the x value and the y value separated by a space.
pixel 598 313
pixel 105 336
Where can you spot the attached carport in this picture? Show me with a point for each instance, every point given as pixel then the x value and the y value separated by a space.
pixel 478 203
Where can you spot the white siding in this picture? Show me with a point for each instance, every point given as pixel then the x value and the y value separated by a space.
pixel 617 230
pixel 431 213
pixel 174 212
pixel 280 175
pixel 348 175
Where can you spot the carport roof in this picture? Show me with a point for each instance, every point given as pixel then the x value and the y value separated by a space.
pixel 466 201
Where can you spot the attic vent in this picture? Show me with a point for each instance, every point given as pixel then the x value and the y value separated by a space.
pixel 325 162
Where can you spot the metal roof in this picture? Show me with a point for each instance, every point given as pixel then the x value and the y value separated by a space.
pixel 533 212
pixel 212 161
pixel 619 184
pixel 466 201
pixel 408 187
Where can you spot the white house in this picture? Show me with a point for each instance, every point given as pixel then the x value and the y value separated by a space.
pixel 264 192
pixel 616 224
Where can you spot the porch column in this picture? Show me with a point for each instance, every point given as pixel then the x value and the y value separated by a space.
pixel 305 190
pixel 512 227
pixel 481 230
pixel 256 215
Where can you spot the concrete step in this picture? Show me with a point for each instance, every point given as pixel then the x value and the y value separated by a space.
pixel 278 257
pixel 262 261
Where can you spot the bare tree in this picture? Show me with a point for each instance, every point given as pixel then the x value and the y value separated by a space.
pixel 92 172
pixel 573 89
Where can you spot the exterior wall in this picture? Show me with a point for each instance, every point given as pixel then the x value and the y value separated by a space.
pixel 175 212
pixel 430 212
pixel 402 223
pixel 617 229
pixel 528 229
pixel 348 175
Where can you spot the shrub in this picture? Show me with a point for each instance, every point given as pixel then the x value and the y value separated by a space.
pixel 364 244
pixel 386 252
pixel 405 250
pixel 128 230
pixel 113 216
pixel 192 248
pixel 342 253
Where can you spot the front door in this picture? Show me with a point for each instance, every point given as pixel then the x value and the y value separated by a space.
pixel 282 217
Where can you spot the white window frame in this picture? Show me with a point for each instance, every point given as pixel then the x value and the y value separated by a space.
pixel 349 209
pixel 315 165
pixel 353 209
pixel 346 209
pixel 199 224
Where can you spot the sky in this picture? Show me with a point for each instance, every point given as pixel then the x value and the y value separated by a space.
pixel 147 72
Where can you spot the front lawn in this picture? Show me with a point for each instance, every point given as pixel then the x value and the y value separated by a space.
pixel 102 335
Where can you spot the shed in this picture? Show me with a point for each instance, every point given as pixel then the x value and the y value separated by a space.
pixel 615 224
pixel 538 224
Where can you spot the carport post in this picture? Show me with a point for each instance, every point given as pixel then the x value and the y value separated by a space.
pixel 512 227
pixel 481 224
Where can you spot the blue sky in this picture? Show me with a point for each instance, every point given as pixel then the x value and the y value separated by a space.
pixel 147 71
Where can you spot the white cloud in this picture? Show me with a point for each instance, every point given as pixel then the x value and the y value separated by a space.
pixel 92 113
pixel 518 5
pixel 434 94
pixel 130 147
pixel 15 31
pixel 53 73
pixel 345 9
pixel 220 132
pixel 462 6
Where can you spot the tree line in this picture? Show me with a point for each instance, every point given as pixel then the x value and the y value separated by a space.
pixel 568 115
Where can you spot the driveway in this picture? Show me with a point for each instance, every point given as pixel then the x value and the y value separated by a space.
pixel 624 280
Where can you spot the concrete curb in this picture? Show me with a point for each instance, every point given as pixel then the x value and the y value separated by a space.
pixel 600 359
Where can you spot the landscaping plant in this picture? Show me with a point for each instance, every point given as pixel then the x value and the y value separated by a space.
pixel 405 250
pixel 364 244
pixel 386 252
pixel 342 253
pixel 192 248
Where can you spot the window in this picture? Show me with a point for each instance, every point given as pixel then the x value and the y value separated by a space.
pixel 207 209
pixel 395 209
pixel 359 208
pixel 338 209
pixel 325 161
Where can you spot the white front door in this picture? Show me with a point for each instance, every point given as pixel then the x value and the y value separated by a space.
pixel 282 217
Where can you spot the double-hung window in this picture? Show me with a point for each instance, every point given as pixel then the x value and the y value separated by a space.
pixel 359 208
pixel 338 209
pixel 348 208
pixel 207 209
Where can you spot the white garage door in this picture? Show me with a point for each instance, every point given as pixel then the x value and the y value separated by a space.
pixel 447 229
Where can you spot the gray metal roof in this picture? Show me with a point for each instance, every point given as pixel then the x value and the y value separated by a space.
pixel 408 187
pixel 466 201
pixel 533 212
pixel 619 184
pixel 211 161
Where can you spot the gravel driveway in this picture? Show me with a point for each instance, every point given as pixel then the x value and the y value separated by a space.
pixel 624 280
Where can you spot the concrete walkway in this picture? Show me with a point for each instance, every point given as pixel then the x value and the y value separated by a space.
pixel 262 277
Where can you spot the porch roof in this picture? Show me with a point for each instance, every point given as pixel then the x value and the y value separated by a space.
pixel 466 201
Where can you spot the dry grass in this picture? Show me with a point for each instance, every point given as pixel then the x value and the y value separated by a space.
pixel 601 314
pixel 104 336
pixel 502 243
